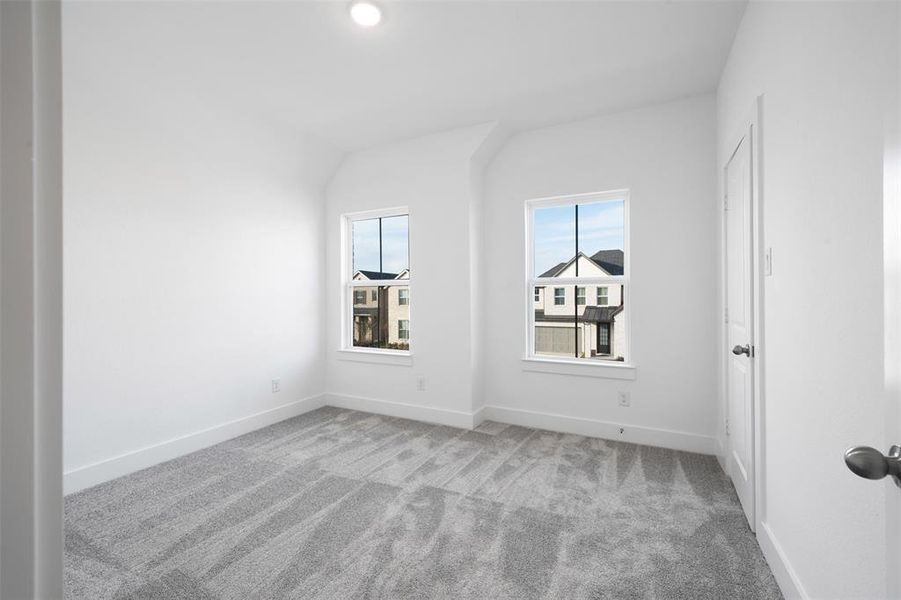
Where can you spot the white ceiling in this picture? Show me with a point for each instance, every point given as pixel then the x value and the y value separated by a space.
pixel 429 66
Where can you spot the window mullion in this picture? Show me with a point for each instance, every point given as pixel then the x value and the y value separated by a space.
pixel 577 241
pixel 378 282
pixel 548 282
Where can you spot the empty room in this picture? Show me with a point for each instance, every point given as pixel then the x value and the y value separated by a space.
pixel 450 299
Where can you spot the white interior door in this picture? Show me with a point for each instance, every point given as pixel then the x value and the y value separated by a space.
pixel 883 463
pixel 893 383
pixel 739 325
pixel 892 275
pixel 892 314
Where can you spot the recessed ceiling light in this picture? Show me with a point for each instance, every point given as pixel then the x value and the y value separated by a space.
pixel 365 14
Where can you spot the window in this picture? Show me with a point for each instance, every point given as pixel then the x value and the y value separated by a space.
pixel 580 242
pixel 537 294
pixel 377 264
pixel 559 296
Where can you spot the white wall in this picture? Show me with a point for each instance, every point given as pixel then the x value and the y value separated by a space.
pixel 31 536
pixel 434 177
pixel 193 259
pixel 665 156
pixel 826 70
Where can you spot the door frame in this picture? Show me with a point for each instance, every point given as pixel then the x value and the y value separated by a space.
pixel 748 127
pixel 31 293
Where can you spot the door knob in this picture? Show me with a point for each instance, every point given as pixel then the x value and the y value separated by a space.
pixel 870 463
pixel 739 350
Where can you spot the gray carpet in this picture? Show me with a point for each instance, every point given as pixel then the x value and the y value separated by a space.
pixel 344 504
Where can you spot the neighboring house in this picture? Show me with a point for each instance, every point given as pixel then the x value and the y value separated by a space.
pixel 585 321
pixel 381 313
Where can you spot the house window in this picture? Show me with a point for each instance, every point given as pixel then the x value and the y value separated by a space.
pixel 579 242
pixel 378 262
pixel 537 294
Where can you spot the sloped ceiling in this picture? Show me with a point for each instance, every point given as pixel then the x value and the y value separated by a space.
pixel 429 66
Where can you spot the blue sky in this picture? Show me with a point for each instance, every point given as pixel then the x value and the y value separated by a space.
pixel 601 227
pixel 395 250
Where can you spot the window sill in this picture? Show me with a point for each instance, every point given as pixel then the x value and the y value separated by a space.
pixel 580 368
pixel 379 357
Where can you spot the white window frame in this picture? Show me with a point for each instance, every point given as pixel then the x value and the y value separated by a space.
pixel 401 329
pixel 346 347
pixel 583 295
pixel 575 366
pixel 401 301
pixel 555 296
pixel 598 295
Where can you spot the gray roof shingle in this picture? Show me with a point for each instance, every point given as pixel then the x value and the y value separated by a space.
pixel 377 275
pixel 552 272
pixel 611 261
pixel 592 314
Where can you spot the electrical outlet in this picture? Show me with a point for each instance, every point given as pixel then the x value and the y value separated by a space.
pixel 625 399
pixel 420 384
pixel 276 386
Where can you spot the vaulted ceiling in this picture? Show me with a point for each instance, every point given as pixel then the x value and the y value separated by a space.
pixel 429 66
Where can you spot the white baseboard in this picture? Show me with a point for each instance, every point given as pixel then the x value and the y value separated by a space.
pixel 663 438
pixel 416 412
pixel 477 417
pixel 90 475
pixel 93 474
pixel 782 570
pixel 721 455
